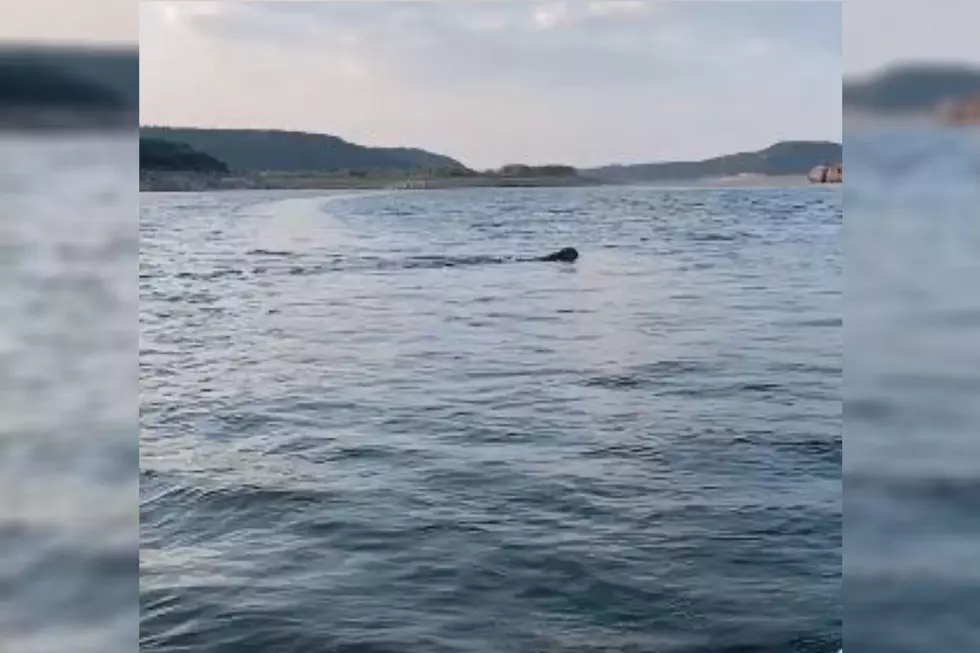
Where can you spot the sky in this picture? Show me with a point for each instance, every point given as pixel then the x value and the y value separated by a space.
pixel 114 22
pixel 557 81
pixel 583 82
pixel 876 32
pixel 880 33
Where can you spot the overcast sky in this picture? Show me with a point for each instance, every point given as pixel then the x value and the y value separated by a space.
pixel 69 21
pixel 878 33
pixel 583 82
pixel 494 80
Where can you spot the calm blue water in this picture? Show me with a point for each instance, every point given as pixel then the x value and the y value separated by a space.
pixel 912 414
pixel 360 432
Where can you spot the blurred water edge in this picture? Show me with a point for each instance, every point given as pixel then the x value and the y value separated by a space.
pixel 69 560
pixel 912 464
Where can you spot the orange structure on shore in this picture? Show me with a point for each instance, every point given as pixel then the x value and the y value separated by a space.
pixel 961 111
pixel 827 174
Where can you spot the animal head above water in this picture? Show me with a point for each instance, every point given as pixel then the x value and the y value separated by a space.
pixel 565 254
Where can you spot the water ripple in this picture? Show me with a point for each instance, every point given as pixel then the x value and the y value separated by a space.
pixel 363 431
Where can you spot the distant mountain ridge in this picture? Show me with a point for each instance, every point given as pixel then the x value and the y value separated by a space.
pixel 250 156
pixel 74 88
pixel 70 76
pixel 783 158
pixel 911 88
pixel 254 150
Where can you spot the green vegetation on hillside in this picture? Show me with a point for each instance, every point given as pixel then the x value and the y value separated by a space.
pixel 285 151
pixel 784 158
pixel 37 86
pixel 69 78
pixel 911 88
pixel 172 158
pixel 521 170
pixel 158 154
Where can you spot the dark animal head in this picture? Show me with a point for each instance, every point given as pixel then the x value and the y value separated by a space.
pixel 565 254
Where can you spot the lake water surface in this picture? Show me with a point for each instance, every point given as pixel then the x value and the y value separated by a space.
pixel 912 413
pixel 365 428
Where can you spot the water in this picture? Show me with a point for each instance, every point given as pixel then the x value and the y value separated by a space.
pixel 68 398
pixel 360 433
pixel 614 492
pixel 912 471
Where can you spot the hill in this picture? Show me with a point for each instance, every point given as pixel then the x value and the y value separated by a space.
pixel 158 154
pixel 910 88
pixel 249 150
pixel 784 158
pixel 62 77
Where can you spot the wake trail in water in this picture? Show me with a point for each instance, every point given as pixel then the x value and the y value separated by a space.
pixel 292 263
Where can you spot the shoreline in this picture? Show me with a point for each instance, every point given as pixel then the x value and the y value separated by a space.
pixel 173 182
pixel 743 181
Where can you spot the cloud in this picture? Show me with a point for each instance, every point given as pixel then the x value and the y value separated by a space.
pixel 183 13
pixel 550 15
pixel 912 31
pixel 69 21
pixel 619 7
pixel 561 44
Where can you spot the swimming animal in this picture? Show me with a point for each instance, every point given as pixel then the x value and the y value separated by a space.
pixel 565 255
